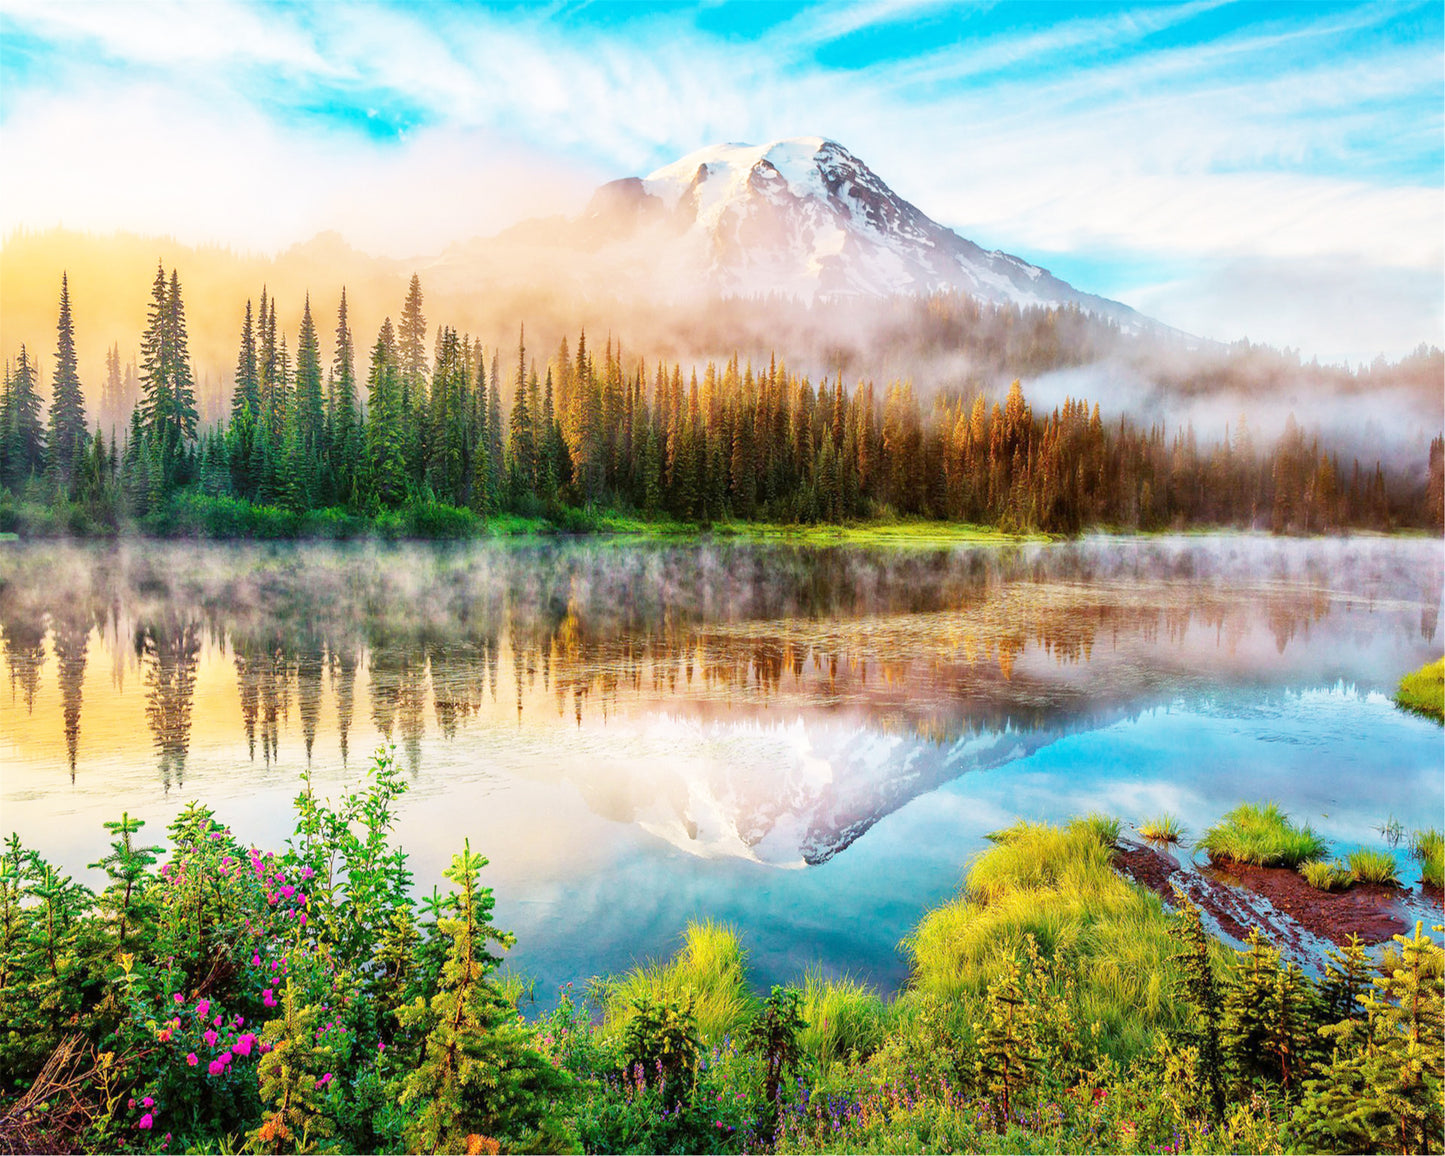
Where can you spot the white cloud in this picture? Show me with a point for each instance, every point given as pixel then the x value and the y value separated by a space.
pixel 1237 149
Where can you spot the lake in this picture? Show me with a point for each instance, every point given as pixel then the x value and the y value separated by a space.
pixel 808 743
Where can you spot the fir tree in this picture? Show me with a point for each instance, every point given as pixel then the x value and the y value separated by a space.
pixel 66 442
pixel 310 412
pixel 23 434
pixel 480 1075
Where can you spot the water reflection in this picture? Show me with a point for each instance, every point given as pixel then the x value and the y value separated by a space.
pixel 640 734
pixel 935 645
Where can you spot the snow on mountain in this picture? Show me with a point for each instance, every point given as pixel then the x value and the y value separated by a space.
pixel 806 218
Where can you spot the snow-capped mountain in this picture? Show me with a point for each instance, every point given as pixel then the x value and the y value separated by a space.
pixel 805 218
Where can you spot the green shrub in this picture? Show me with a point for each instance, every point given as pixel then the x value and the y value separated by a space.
pixel 1373 867
pixel 433 519
pixel 1262 835
pixel 1163 828
pixel 1325 876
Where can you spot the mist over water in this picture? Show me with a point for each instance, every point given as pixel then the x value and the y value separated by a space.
pixel 807 742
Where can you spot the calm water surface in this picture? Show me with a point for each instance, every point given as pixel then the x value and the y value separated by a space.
pixel 806 742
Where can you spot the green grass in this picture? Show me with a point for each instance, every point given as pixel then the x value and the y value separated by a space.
pixel 1423 692
pixel 1325 876
pixel 844 1017
pixel 1261 834
pixel 711 968
pixel 1428 846
pixel 1372 867
pixel 1432 869
pixel 1058 885
pixel 1163 828
pixel 1104 828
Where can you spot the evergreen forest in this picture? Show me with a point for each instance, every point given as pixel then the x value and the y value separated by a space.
pixel 427 432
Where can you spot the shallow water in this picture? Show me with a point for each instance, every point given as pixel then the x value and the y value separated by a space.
pixel 808 743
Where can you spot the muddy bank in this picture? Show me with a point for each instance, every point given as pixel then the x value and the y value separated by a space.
pixel 1288 911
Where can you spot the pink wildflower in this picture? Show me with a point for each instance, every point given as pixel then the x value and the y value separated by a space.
pixel 268 998
pixel 147 1103
pixel 324 1080
pixel 256 960
pixel 242 1046
pixel 145 1122
pixel 215 1067
pixel 192 1060
pixel 178 997
pixel 210 1037
pixel 202 1008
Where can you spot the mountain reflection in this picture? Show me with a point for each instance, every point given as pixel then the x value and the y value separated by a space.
pixel 935 645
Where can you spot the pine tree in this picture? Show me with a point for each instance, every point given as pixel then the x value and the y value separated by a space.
pixel 1006 1042
pixel 309 408
pixel 66 442
pixel 168 404
pixel 480 1075
pixel 1201 995
pixel 23 433
pixel 293 1073
pixel 1382 1090
pixel 345 427
pixel 385 451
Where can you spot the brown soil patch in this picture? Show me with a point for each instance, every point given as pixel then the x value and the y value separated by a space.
pixel 1233 897
pixel 1369 910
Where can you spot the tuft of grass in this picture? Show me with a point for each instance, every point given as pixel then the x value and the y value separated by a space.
pixel 1105 828
pixel 711 968
pixel 844 1017
pixel 1423 691
pixel 1429 847
pixel 1373 867
pixel 1334 876
pixel 1432 870
pixel 1163 828
pixel 1057 885
pixel 516 988
pixel 1427 843
pixel 1262 835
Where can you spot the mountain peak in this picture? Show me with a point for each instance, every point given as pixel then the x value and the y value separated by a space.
pixel 805 217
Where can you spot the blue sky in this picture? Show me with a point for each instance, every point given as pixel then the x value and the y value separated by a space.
pixel 1270 170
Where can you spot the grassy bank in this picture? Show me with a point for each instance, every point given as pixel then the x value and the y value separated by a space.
pixel 194 515
pixel 235 999
pixel 1423 691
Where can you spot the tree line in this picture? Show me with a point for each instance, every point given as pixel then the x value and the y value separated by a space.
pixel 434 416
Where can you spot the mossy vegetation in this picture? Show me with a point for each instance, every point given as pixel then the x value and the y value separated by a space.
pixel 1261 835
pixel 1422 692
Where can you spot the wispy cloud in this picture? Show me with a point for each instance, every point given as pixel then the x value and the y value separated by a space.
pixel 1187 134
